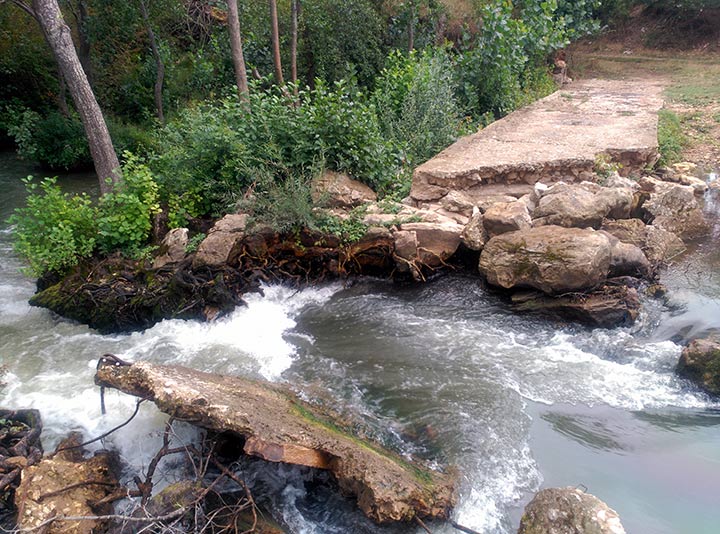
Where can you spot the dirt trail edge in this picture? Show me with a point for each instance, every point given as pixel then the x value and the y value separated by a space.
pixel 279 427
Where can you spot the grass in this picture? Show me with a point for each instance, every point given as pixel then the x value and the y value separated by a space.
pixel 671 138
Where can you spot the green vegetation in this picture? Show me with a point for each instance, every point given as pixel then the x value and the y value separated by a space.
pixel 670 137
pixel 54 230
pixel 125 215
pixel 381 87
pixel 422 476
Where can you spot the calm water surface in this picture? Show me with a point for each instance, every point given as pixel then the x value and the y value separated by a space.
pixel 442 371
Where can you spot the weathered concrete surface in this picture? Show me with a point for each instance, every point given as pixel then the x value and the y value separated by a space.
pixel 555 138
pixel 279 427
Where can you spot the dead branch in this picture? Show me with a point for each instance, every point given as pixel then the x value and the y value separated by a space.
pixel 104 435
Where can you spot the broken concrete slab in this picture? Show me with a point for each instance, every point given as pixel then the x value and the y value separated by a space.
pixel 556 138
pixel 279 427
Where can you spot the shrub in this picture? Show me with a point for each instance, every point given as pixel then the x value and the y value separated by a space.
pixel 59 142
pixel 125 214
pixel 54 230
pixel 285 205
pixel 490 71
pixel 211 154
pixel 340 127
pixel 416 105
pixel 344 40
pixel 496 73
pixel 55 141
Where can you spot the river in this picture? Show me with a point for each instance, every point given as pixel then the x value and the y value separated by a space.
pixel 441 370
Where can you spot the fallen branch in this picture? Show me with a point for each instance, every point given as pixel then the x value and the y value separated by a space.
pixel 112 517
pixel 462 528
pixel 102 436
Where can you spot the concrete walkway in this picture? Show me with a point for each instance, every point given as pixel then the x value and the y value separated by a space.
pixel 556 138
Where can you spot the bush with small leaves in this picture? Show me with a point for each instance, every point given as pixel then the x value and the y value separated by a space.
pixel 54 230
pixel 125 214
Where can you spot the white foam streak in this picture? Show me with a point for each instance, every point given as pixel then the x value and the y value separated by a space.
pixel 250 339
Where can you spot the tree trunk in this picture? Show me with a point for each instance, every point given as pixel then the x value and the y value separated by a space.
pixel 237 50
pixel 58 36
pixel 294 8
pixel 159 65
pixel 276 42
pixel 62 97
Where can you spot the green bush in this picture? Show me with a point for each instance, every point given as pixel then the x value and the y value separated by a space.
pixel 59 142
pixel 284 205
pixel 55 141
pixel 416 105
pixel 209 156
pixel 489 72
pixel 343 40
pixel 497 72
pixel 287 206
pixel 125 214
pixel 54 230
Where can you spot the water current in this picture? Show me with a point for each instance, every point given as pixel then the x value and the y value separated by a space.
pixel 441 370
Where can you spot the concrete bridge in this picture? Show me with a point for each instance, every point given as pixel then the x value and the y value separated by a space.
pixel 557 138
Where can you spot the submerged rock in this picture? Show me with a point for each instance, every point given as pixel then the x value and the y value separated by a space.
pixel 277 426
pixel 552 259
pixel 569 511
pixel 607 307
pixel 700 363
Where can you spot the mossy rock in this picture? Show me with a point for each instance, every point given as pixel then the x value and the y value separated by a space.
pixel 700 363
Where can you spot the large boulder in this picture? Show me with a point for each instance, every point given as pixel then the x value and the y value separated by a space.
pixel 337 190
pixel 505 217
pixel 218 248
pixel 607 307
pixel 627 259
pixel 569 511
pixel 425 245
pixel 661 246
pixel 552 259
pixel 474 236
pixel 630 231
pixel 674 208
pixel 582 205
pixel 658 245
pixel 700 362
pixel 172 249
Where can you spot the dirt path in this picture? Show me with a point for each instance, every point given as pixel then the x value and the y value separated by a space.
pixel 692 91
